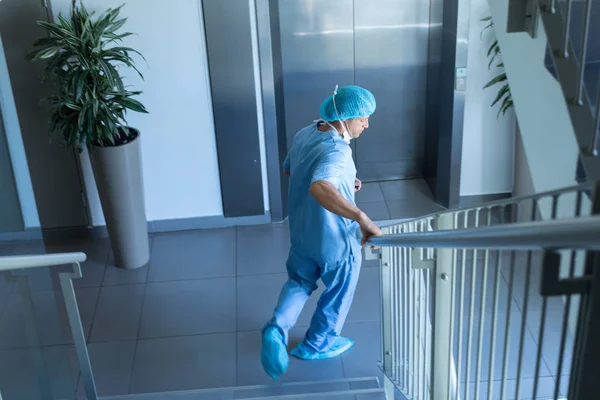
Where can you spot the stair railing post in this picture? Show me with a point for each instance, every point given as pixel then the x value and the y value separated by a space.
pixel 387 362
pixel 443 370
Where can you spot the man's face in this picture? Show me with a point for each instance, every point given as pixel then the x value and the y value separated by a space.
pixel 356 126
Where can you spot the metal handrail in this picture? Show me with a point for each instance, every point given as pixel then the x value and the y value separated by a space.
pixel 583 187
pixel 572 233
pixel 11 263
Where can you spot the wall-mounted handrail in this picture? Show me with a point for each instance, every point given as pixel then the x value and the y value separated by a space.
pixel 11 263
pixel 571 233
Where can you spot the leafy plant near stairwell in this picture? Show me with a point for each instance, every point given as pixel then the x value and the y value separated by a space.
pixel 503 97
pixel 84 55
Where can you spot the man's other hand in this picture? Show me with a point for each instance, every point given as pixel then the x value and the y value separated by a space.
pixel 357 184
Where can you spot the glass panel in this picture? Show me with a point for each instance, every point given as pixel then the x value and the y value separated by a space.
pixel 37 356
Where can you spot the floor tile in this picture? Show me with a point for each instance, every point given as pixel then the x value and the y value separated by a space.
pixel 94 267
pixel 303 371
pixel 376 211
pixel 193 255
pixel 121 276
pixel 369 263
pixel 50 318
pixel 545 389
pixel 493 280
pixel 412 208
pixel 254 311
pixel 48 278
pixel 370 193
pixel 552 337
pixel 262 250
pixel 185 363
pixel 118 313
pixel 188 308
pixel 371 385
pixel 528 355
pixel 290 388
pixel 112 365
pixel 413 188
pixel 535 300
pixel 365 307
pixel 29 248
pixel 257 297
pixel 6 249
pixel 564 385
pixel 362 360
pixel 6 288
pixel 250 371
pixel 21 379
pixel 197 394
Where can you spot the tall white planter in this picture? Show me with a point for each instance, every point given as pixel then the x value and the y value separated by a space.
pixel 118 174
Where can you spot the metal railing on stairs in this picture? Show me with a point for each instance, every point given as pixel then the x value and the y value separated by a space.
pixel 570 38
pixel 501 301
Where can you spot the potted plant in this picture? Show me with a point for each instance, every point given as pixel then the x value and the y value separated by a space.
pixel 504 94
pixel 83 55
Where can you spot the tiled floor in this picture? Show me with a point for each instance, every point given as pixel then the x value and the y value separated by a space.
pixel 191 319
pixel 396 200
pixel 508 322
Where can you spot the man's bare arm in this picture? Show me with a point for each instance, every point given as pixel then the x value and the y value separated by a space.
pixel 332 200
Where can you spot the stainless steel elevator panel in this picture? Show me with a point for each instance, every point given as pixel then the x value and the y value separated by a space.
pixel 391 60
pixel 317 46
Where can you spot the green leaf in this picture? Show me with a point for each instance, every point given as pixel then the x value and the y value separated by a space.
pixel 485 19
pixel 114 37
pixel 506 104
pixel 497 79
pixel 131 104
pixel 80 84
pixel 504 90
pixel 125 50
pixel 492 47
pixel 64 23
pixel 90 101
pixel 117 25
pixel 493 58
pixel 46 42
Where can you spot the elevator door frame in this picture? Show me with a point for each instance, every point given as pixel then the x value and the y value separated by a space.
pixel 444 180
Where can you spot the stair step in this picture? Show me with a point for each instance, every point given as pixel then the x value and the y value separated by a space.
pixel 342 389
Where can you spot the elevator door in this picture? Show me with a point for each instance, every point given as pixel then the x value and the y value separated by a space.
pixel 381 45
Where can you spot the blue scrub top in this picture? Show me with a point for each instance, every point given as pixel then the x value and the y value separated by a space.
pixel 323 236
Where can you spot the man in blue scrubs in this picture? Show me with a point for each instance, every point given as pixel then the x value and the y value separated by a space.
pixel 327 231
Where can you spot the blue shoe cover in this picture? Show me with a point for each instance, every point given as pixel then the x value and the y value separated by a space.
pixel 274 356
pixel 305 352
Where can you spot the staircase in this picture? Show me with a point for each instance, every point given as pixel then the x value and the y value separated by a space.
pixel 568 30
pixel 568 62
pixel 343 389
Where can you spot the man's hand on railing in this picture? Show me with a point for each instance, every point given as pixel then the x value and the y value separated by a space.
pixel 368 228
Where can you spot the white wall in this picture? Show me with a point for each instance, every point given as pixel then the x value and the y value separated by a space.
pixel 16 148
pixel 181 175
pixel 488 141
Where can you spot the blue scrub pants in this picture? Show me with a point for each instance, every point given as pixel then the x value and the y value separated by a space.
pixel 340 281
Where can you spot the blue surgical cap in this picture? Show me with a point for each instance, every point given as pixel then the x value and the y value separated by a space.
pixel 351 102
